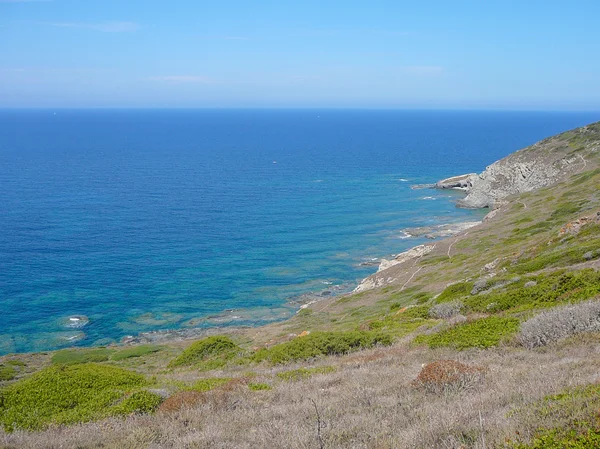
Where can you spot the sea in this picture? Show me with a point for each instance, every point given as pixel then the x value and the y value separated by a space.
pixel 115 223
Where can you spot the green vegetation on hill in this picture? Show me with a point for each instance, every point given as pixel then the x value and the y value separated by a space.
pixel 212 352
pixel 87 355
pixel 319 344
pixel 482 333
pixel 304 373
pixel 209 383
pixel 77 356
pixel 544 290
pixel 574 414
pixel 7 372
pixel 135 351
pixel 73 393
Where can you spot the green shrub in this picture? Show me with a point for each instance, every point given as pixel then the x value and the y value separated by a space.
pixel 561 439
pixel 571 416
pixel 320 344
pixel 421 298
pixel 75 356
pixel 562 253
pixel 217 347
pixel 421 312
pixel 397 325
pixel 550 289
pixel 135 351
pixel 259 387
pixel 209 383
pixel 15 362
pixel 304 373
pixel 482 333
pixel 139 402
pixel 65 394
pixel 455 291
pixel 304 312
pixel 7 373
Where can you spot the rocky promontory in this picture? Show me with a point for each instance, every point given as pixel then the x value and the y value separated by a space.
pixel 543 164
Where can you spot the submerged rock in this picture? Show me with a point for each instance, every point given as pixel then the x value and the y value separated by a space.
pixel 75 322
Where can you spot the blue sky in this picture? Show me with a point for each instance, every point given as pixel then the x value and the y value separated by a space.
pixel 526 54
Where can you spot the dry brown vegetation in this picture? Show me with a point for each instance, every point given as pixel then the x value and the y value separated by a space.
pixel 368 402
pixel 444 376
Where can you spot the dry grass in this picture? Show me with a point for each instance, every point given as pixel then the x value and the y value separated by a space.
pixel 368 402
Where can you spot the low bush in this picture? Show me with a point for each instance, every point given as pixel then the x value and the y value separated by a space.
pixel 419 298
pixel 402 322
pixel 138 402
pixel 561 439
pixel 320 344
pixel 549 289
pixel 446 309
pixel 209 383
pixel 414 312
pixel 560 322
pixel 447 375
pixel 482 333
pixel 75 356
pixel 571 417
pixel 561 253
pixel 304 373
pixel 66 394
pixel 455 291
pixel 135 351
pixel 259 387
pixel 10 369
pixel 217 349
pixel 15 362
pixel 7 372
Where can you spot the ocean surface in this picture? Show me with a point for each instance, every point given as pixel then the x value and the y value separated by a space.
pixel 116 222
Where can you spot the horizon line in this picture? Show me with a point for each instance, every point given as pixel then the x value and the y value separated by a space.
pixel 284 108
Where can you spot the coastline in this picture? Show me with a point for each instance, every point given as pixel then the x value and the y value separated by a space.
pixel 435 233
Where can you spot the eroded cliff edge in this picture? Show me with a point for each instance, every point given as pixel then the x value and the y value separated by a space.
pixel 542 164
pixel 548 162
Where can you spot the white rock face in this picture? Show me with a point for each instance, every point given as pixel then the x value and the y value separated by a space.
pixel 380 279
pixel 540 165
pixel 523 171
pixel 417 251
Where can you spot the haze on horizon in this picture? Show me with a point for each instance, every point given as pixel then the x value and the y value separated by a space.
pixel 391 54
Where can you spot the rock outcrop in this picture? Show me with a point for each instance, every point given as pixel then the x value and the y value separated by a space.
pixel 545 163
pixel 378 279
pixel 461 182
pixel 439 231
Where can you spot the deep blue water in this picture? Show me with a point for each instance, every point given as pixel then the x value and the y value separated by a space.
pixel 145 220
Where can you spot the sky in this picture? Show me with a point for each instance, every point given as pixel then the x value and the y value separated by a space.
pixel 419 54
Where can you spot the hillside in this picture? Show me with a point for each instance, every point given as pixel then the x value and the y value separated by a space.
pixel 490 338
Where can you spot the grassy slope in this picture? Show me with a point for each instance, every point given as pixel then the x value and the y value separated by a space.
pixel 366 399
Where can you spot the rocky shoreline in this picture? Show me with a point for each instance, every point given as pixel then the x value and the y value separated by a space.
pixel 540 165
pixel 225 321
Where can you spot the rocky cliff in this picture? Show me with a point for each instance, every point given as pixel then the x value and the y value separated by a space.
pixel 545 163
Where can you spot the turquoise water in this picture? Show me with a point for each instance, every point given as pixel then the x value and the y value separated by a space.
pixel 149 220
